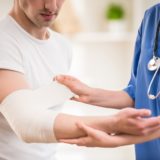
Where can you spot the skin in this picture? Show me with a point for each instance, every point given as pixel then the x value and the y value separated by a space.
pixel 138 128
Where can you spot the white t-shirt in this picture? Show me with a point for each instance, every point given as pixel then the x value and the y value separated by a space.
pixel 39 61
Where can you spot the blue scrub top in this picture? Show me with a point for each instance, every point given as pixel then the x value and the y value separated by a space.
pixel 141 77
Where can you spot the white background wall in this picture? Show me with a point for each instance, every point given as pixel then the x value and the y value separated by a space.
pixel 5 5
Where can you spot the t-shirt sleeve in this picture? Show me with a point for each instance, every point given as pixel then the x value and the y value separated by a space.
pixel 10 55
pixel 131 87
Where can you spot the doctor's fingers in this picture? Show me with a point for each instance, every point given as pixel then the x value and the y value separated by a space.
pixel 84 141
pixel 82 98
pixel 76 86
pixel 65 79
pixel 89 132
pixel 95 138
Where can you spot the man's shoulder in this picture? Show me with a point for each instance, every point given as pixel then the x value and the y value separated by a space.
pixel 4 28
pixel 8 33
pixel 5 37
pixel 4 23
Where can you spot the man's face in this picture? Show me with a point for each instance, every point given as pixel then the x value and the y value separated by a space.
pixel 40 12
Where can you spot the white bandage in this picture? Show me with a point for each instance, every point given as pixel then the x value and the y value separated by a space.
pixel 31 113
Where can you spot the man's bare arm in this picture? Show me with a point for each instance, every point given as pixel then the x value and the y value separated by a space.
pixel 65 125
pixel 11 81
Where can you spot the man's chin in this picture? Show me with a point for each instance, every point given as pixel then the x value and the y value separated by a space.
pixel 46 24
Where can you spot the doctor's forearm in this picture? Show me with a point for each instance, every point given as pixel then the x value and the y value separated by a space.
pixel 131 139
pixel 110 99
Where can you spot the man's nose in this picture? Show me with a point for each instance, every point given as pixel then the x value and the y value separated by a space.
pixel 51 5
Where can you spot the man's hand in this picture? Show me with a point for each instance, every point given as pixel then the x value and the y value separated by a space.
pixel 135 122
pixel 11 81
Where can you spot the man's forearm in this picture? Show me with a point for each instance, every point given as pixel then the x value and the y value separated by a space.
pixel 65 125
pixel 110 99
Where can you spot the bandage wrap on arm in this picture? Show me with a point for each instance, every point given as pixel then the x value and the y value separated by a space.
pixel 31 113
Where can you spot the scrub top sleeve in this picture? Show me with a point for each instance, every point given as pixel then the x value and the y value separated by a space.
pixel 131 88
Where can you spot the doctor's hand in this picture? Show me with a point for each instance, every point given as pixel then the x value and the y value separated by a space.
pixel 97 138
pixel 93 138
pixel 82 91
pixel 95 96
pixel 135 122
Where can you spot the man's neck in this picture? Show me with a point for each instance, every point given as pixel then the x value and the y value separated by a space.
pixel 27 25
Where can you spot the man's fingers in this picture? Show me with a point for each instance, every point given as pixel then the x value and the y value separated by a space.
pixel 141 113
